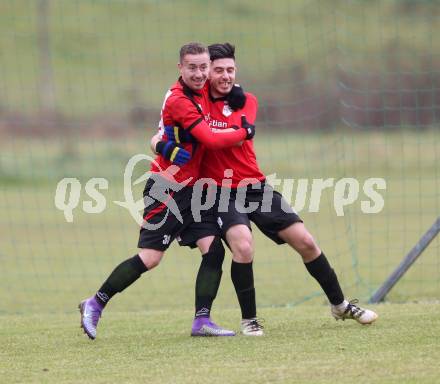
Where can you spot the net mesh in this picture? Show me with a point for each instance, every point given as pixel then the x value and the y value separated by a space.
pixel 347 91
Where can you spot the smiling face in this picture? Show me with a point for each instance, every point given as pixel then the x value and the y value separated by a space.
pixel 222 76
pixel 194 70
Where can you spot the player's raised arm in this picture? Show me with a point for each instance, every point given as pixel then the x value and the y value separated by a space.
pixel 195 123
pixel 221 138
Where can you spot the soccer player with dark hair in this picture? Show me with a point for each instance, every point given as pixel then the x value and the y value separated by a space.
pixel 246 187
pixel 186 107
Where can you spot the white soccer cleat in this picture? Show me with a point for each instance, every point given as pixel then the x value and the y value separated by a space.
pixel 251 327
pixel 349 310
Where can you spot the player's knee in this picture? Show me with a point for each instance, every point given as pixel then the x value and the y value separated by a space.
pixel 307 244
pixel 240 241
pixel 308 241
pixel 150 257
pixel 243 251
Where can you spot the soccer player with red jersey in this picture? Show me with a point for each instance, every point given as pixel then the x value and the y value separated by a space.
pixel 168 192
pixel 236 171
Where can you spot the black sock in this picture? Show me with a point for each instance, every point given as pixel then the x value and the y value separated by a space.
pixel 242 276
pixel 122 276
pixel 208 277
pixel 321 270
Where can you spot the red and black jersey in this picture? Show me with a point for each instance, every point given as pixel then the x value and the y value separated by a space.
pixel 189 110
pixel 183 108
pixel 240 159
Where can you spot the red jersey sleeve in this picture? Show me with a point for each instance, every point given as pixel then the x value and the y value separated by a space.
pixel 183 112
pixel 186 114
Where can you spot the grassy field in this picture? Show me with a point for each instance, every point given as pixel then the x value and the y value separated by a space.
pixel 108 55
pixel 301 345
pixel 49 264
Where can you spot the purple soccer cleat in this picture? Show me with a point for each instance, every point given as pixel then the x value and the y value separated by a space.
pixel 203 326
pixel 91 311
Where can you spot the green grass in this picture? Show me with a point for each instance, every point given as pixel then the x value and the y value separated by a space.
pixel 110 55
pixel 48 264
pixel 301 345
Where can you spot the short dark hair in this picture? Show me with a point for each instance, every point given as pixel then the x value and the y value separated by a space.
pixel 192 49
pixel 221 51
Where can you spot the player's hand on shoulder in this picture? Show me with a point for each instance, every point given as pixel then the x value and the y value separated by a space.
pixel 171 151
pixel 250 128
pixel 236 98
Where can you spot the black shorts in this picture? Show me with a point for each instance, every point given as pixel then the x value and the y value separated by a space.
pixel 197 230
pixel 161 224
pixel 264 206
